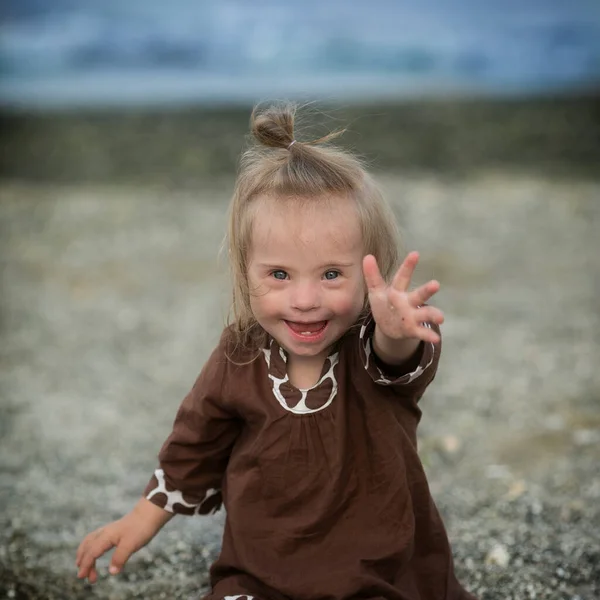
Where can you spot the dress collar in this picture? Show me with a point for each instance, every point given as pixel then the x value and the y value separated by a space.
pixel 292 399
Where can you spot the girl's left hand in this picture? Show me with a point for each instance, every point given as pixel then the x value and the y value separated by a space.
pixel 398 312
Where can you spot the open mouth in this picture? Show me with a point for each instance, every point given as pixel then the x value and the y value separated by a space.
pixel 307 331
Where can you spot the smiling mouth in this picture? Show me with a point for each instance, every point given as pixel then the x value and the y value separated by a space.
pixel 307 330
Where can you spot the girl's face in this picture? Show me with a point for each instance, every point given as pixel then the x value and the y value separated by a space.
pixel 305 272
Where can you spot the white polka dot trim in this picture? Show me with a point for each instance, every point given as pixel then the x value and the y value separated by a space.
pixel 365 342
pixel 176 497
pixel 301 408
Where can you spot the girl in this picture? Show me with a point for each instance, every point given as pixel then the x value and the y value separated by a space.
pixel 303 421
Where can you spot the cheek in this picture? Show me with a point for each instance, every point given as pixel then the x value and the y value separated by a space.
pixel 350 302
pixel 264 303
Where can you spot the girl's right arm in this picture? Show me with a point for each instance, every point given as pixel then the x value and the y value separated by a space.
pixel 127 535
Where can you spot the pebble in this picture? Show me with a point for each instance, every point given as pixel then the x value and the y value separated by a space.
pixel 516 490
pixel 497 472
pixel 498 556
pixel 450 444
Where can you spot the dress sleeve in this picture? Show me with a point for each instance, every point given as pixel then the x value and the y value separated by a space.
pixel 413 376
pixel 193 459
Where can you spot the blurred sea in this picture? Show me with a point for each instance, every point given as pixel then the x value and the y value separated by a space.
pixel 91 53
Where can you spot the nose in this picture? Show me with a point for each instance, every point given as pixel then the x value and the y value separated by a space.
pixel 306 295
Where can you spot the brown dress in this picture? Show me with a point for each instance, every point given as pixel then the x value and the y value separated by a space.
pixel 325 493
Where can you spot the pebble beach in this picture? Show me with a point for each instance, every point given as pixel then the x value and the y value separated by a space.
pixel 114 292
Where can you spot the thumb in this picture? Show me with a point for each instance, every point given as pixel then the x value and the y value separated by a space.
pixel 119 558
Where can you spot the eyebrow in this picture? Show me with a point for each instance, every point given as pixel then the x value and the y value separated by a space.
pixel 320 267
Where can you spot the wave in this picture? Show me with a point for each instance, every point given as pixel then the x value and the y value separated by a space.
pixel 467 43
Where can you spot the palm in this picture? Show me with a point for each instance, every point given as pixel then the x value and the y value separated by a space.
pixel 397 310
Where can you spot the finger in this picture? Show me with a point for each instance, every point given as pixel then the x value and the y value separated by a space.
pixel 427 334
pixel 87 568
pixel 93 575
pixel 86 571
pixel 420 296
pixel 404 274
pixel 79 553
pixel 372 275
pixel 85 543
pixel 100 545
pixel 120 557
pixel 429 314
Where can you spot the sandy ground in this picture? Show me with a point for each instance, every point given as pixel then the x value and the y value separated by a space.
pixel 112 297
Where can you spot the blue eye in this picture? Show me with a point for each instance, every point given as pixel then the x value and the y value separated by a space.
pixel 281 275
pixel 332 275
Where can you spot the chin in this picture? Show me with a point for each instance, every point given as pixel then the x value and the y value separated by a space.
pixel 307 352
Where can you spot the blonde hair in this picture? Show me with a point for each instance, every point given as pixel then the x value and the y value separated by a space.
pixel 278 165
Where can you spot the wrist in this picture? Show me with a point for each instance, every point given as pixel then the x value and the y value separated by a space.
pixel 394 351
pixel 151 513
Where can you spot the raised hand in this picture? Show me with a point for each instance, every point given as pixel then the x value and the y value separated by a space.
pixel 399 312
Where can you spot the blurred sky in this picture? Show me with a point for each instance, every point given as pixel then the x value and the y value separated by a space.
pixel 123 52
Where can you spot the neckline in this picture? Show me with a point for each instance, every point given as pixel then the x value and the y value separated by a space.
pixel 301 400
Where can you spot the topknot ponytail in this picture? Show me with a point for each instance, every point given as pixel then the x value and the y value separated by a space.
pixel 274 126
